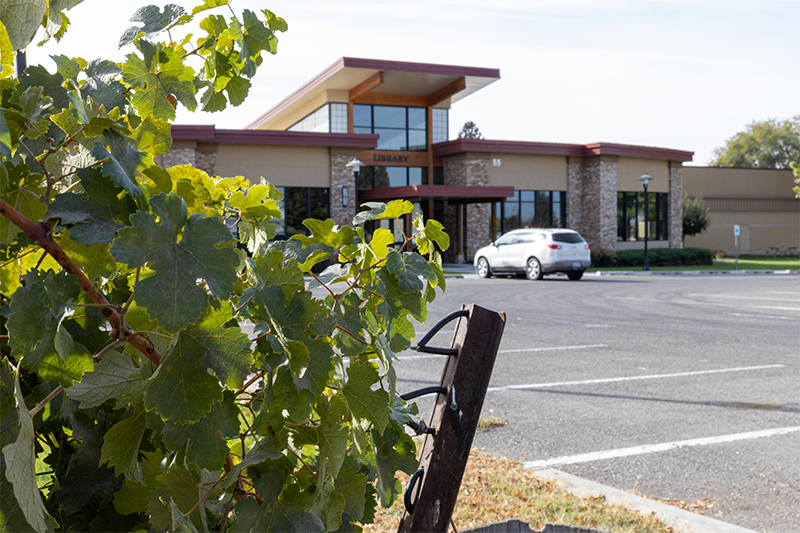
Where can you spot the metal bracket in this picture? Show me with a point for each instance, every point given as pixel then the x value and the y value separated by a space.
pixel 422 345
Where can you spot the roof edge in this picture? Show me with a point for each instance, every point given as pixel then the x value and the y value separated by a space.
pixel 299 138
pixel 580 150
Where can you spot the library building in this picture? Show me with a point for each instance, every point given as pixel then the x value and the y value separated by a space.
pixel 366 130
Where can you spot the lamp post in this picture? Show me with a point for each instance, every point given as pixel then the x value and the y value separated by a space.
pixel 645 179
pixel 355 166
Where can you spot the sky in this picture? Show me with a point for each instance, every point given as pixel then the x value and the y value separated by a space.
pixel 675 74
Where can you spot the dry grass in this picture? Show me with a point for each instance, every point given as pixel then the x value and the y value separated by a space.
pixel 496 489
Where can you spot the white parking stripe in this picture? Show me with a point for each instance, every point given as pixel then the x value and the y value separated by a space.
pixel 630 378
pixel 652 448
pixel 555 348
pixel 704 303
pixel 769 317
pixel 796 300
pixel 548 349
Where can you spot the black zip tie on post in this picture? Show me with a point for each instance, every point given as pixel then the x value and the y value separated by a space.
pixel 410 489
pixel 422 345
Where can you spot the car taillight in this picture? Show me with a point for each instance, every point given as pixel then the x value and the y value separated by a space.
pixel 554 246
pixel 587 246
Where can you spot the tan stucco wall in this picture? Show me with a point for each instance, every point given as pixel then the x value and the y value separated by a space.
pixel 760 230
pixel 292 166
pixel 529 172
pixel 629 169
pixel 738 182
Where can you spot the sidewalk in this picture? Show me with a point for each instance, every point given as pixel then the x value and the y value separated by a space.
pixel 467 268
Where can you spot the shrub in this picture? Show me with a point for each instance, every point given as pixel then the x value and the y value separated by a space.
pixel 603 258
pixel 666 257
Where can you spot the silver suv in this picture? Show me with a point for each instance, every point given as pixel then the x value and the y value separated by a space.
pixel 534 253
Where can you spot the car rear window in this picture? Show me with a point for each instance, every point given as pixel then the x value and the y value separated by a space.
pixel 571 238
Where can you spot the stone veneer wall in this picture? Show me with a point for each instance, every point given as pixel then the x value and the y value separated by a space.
pixel 205 159
pixel 592 201
pixel 675 205
pixel 477 227
pixel 179 156
pixel 341 176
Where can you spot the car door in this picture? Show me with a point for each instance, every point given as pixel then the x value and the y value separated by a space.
pixel 503 247
pixel 520 250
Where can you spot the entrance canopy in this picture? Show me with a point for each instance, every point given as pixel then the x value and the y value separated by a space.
pixel 457 194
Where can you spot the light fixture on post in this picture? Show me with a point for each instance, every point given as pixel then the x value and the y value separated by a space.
pixel 645 179
pixel 344 195
pixel 355 166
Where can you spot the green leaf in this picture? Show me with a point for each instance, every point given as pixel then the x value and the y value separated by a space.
pixel 207 447
pixel 180 522
pixel 21 20
pixel 122 162
pixel 273 270
pixel 101 86
pixel 113 377
pixel 331 438
pixel 209 4
pixel 20 460
pixel 179 485
pixel 94 215
pixel 153 136
pixel 306 256
pixel 157 75
pixel 121 446
pixel 5 138
pixel 182 390
pixel 363 402
pixel 274 22
pixel 394 450
pixel 351 484
pixel 37 312
pixel 153 21
pixel 65 371
pixel 132 497
pixel 171 295
pixel 6 54
pixel 432 232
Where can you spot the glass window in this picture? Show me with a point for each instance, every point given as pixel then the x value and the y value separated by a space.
pixel 389 117
pixel 536 209
pixel 300 203
pixel 415 176
pixel 417 140
pixel 570 238
pixel 527 213
pixel 416 118
pixel 630 216
pixel 391 139
pixel 398 176
pixel 440 124
pixel 338 118
pixel 362 116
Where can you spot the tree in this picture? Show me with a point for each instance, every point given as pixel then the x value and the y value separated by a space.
pixel 130 397
pixel 695 215
pixel 796 168
pixel 470 131
pixel 768 143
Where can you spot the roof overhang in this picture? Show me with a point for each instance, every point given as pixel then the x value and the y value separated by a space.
pixel 466 194
pixel 375 76
pixel 457 146
pixel 210 134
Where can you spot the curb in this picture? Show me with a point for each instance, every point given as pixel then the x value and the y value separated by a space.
pixel 683 521
pixel 693 272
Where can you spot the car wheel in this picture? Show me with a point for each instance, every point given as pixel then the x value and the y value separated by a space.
pixel 483 268
pixel 575 275
pixel 534 269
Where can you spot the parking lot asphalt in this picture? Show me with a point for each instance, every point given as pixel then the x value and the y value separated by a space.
pixel 682 388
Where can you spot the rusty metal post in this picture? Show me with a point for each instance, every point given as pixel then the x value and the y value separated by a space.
pixel 455 417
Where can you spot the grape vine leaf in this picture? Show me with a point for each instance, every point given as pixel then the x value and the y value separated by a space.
pixel 171 296
pixel 179 485
pixel 21 20
pixel 93 215
pixel 122 161
pixel 394 450
pixel 159 73
pixel 20 461
pixel 362 401
pixel 65 371
pixel 132 497
pixel 180 522
pixel 331 438
pixel 101 86
pixel 207 437
pixel 37 312
pixel 182 390
pixel 153 21
pixel 113 377
pixel 121 446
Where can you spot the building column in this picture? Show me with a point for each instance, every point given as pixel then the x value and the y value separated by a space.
pixel 342 179
pixel 472 172
pixel 592 200
pixel 675 204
